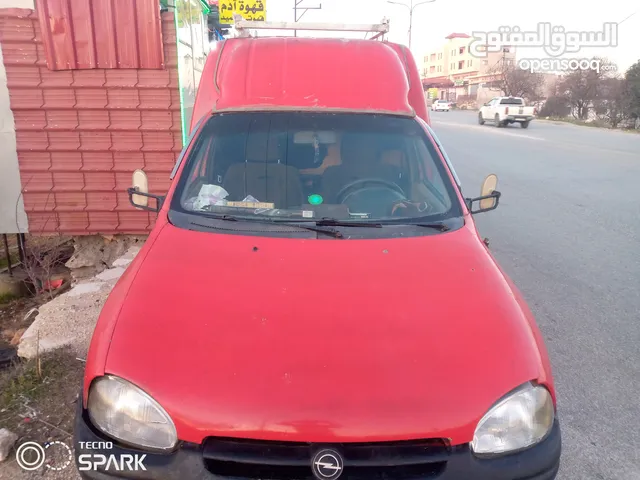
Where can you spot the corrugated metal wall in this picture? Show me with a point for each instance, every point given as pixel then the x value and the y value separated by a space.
pixel 82 34
pixel 81 133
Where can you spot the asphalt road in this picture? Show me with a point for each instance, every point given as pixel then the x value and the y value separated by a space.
pixel 567 231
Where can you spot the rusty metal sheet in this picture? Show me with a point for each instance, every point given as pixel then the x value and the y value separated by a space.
pixel 86 34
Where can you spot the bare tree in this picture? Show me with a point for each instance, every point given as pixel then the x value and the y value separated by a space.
pixel 42 255
pixel 582 88
pixel 516 82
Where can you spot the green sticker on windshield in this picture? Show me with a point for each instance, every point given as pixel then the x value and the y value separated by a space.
pixel 315 199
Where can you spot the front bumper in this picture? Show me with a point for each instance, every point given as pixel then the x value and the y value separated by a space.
pixel 187 463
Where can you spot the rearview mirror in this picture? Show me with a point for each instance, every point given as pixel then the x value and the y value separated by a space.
pixel 326 137
pixel 140 184
pixel 139 194
pixel 489 196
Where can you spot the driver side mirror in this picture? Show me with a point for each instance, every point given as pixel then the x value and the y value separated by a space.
pixel 489 196
pixel 139 194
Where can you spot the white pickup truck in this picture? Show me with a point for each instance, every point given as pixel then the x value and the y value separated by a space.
pixel 505 110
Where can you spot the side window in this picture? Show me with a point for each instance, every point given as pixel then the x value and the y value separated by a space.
pixel 432 180
pixel 446 157
pixel 198 176
pixel 200 168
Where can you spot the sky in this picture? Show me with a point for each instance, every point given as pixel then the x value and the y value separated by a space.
pixel 434 21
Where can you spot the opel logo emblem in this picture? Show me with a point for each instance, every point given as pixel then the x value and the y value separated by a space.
pixel 327 465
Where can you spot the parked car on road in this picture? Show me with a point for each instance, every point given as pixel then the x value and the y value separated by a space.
pixel 441 106
pixel 503 111
pixel 314 300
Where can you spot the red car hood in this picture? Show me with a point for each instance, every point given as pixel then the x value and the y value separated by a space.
pixel 322 340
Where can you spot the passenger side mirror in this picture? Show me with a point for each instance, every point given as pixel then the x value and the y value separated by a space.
pixel 139 194
pixel 489 196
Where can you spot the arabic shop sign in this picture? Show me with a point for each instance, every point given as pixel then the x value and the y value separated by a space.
pixel 252 10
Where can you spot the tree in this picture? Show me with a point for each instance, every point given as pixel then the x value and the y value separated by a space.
pixel 582 88
pixel 516 82
pixel 555 106
pixel 613 101
pixel 633 85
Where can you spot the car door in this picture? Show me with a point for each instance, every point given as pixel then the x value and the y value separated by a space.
pixel 491 109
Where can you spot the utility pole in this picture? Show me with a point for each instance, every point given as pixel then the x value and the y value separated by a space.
pixel 411 8
pixel 504 80
pixel 410 22
pixel 296 7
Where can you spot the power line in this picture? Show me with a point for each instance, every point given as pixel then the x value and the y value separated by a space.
pixel 627 18
pixel 296 7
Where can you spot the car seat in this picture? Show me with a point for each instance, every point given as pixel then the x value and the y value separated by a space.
pixel 360 155
pixel 264 174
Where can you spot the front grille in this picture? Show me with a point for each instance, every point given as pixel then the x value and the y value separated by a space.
pixel 266 460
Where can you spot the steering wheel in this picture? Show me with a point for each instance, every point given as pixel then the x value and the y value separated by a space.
pixel 360 184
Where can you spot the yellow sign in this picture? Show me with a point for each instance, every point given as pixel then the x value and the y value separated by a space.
pixel 433 93
pixel 252 10
pixel 250 205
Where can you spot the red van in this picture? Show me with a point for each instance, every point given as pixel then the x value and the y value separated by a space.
pixel 315 301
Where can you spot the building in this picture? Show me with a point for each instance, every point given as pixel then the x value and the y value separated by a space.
pixel 452 71
pixel 84 101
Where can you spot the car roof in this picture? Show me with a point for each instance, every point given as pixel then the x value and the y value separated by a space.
pixel 279 73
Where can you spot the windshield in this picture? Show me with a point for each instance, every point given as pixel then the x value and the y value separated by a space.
pixel 293 166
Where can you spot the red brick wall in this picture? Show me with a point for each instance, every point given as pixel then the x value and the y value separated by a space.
pixel 81 133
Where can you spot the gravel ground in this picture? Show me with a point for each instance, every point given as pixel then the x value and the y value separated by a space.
pixel 69 319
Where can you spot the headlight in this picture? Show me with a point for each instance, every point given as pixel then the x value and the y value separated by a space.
pixel 518 421
pixel 126 413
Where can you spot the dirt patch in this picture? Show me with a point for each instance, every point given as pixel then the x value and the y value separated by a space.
pixel 14 319
pixel 37 403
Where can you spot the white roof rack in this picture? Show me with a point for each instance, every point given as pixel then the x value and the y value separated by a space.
pixel 243 26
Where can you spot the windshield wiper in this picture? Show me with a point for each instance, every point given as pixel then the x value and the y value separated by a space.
pixel 334 222
pixel 228 218
pixel 437 226
pixel 329 222
pixel 332 232
pixel 327 231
